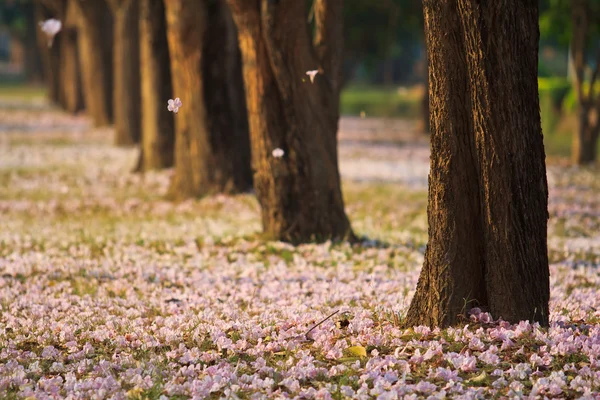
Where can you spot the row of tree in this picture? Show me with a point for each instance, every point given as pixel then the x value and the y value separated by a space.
pixel 488 194
pixel 576 23
pixel 240 69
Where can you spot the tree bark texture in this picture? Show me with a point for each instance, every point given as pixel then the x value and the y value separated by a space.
pixel 126 70
pixel 95 42
pixel 585 140
pixel 425 103
pixel 157 125
pixel 488 195
pixel 299 193
pixel 212 145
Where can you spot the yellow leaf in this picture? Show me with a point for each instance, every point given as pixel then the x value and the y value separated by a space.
pixel 357 351
pixel 479 378
pixel 135 393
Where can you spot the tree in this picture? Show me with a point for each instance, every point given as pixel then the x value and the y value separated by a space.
pixel 70 67
pixel 212 149
pixel 488 194
pixel 126 70
pixel 50 57
pixel 157 126
pixel 577 23
pixel 374 34
pixel 22 27
pixel 62 59
pixel 299 193
pixel 95 38
pixel 585 20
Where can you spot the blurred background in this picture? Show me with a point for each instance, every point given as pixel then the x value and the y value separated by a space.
pixel 385 63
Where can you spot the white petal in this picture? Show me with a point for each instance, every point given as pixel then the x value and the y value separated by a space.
pixel 312 74
pixel 278 153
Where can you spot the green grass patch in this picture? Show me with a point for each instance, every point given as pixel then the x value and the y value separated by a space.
pixel 21 90
pixel 377 101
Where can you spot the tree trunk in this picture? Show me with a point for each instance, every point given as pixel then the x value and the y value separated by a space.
pixel 126 69
pixel 33 60
pixel 388 64
pixel 70 72
pixel 212 150
pixel 488 193
pixel 299 193
pixel 425 103
pixel 585 140
pixel 50 56
pixel 157 125
pixel 95 51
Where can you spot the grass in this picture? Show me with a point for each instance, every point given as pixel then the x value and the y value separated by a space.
pixel 558 123
pixel 377 101
pixel 157 290
pixel 21 91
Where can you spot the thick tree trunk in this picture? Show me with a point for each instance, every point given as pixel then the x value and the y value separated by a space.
pixel 126 70
pixel 487 190
pixel 299 193
pixel 95 51
pixel 425 103
pixel 212 151
pixel 157 125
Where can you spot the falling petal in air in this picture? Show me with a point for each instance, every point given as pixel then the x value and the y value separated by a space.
pixel 312 75
pixel 174 105
pixel 51 27
pixel 278 153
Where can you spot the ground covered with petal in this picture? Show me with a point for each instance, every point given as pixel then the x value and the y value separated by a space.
pixel 107 290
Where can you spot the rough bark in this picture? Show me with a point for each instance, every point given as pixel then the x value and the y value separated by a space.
pixel 157 125
pixel 95 55
pixel 299 193
pixel 212 146
pixel 487 187
pixel 425 103
pixel 126 72
pixel 585 140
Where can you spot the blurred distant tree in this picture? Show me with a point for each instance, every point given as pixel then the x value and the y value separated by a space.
pixel 95 42
pixel 381 31
pixel 50 56
pixel 299 193
pixel 212 145
pixel 22 26
pixel 157 126
pixel 577 23
pixel 62 59
pixel 488 194
pixel 126 71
